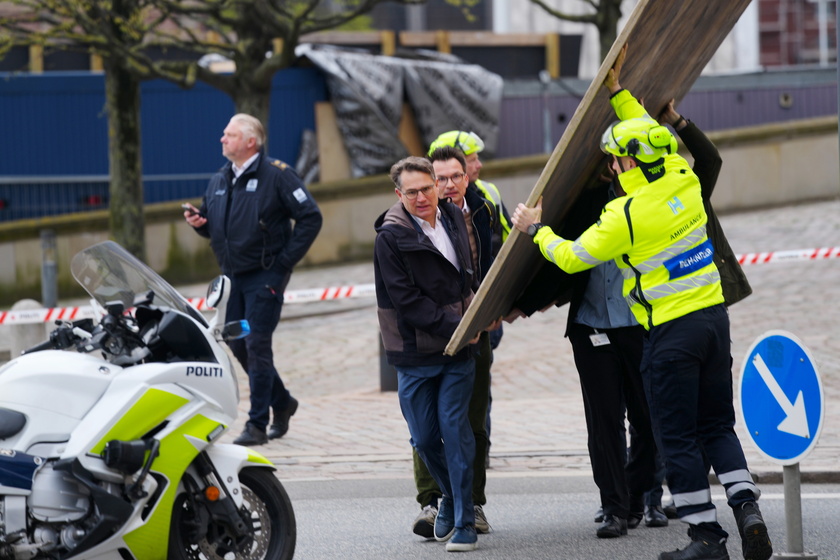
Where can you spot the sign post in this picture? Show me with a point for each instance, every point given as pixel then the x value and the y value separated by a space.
pixel 781 398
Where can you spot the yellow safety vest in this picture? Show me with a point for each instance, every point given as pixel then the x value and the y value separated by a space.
pixel 491 193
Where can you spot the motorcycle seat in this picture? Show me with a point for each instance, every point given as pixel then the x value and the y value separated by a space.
pixel 11 422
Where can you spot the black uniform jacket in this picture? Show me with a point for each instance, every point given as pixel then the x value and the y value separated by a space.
pixel 484 220
pixel 249 221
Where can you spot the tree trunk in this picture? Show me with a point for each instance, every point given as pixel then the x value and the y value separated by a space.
pixel 254 99
pixel 607 23
pixel 122 95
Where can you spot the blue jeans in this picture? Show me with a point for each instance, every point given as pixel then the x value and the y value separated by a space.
pixel 434 401
pixel 258 297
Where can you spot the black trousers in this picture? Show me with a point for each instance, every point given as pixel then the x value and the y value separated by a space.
pixel 611 382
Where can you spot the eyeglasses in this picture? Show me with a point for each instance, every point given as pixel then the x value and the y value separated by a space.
pixel 412 194
pixel 456 178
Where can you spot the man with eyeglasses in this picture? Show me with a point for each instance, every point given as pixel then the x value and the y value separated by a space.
pixel 472 145
pixel 424 280
pixel 480 218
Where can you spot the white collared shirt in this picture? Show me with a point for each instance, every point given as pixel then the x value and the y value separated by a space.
pixel 465 208
pixel 439 238
pixel 237 171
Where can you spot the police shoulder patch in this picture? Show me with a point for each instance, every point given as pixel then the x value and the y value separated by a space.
pixel 277 163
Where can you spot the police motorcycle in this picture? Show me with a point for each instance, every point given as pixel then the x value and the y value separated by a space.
pixel 109 432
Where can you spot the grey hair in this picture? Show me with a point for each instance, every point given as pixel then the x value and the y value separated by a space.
pixel 251 127
pixel 411 163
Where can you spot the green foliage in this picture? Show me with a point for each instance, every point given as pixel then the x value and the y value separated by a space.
pixel 466 7
pixel 361 23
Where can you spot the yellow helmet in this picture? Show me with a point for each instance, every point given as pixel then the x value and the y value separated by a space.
pixel 467 142
pixel 642 139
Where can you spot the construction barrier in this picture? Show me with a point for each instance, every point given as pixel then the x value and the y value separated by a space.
pixel 46 315
pixel 794 255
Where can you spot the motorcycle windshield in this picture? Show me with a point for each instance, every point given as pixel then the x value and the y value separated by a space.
pixel 110 273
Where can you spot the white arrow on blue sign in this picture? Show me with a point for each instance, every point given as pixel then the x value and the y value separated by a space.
pixel 781 397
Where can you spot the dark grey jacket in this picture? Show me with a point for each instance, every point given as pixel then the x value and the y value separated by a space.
pixel 420 295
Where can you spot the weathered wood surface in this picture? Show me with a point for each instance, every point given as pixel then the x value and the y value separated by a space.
pixel 670 42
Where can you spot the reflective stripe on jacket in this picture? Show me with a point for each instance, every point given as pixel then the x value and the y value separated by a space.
pixel 491 193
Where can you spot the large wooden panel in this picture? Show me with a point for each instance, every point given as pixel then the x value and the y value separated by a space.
pixel 670 42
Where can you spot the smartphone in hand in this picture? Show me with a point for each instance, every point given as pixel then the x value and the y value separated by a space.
pixel 191 211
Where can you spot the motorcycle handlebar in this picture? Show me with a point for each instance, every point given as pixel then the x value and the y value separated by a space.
pixel 65 336
pixel 46 345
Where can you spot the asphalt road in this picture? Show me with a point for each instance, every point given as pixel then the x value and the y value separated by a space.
pixel 533 518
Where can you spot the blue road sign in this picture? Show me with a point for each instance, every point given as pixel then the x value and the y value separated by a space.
pixel 781 397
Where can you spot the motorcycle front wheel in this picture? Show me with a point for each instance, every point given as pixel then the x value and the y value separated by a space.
pixel 265 502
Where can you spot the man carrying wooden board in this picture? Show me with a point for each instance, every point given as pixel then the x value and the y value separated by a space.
pixel 657 236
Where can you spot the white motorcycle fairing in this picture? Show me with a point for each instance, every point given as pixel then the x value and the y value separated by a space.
pixel 101 456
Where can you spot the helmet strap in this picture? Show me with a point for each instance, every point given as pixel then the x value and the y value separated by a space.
pixel 618 161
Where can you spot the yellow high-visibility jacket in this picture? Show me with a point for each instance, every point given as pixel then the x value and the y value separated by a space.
pixel 656 234
pixel 491 193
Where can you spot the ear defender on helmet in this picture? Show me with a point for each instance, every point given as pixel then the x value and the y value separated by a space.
pixel 660 137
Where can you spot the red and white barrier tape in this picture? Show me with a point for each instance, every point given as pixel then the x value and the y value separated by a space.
pixel 793 255
pixel 366 290
pixel 46 315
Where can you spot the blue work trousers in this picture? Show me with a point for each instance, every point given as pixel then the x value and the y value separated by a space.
pixel 434 401
pixel 686 368
pixel 258 297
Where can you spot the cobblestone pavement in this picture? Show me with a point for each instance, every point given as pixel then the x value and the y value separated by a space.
pixel 328 355
pixel 347 428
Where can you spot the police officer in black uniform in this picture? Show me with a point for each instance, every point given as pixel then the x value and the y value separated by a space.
pixel 247 213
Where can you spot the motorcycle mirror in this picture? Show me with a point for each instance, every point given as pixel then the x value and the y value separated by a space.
pixel 115 308
pixel 236 330
pixel 216 291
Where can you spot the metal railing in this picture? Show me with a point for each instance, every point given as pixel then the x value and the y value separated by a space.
pixel 35 197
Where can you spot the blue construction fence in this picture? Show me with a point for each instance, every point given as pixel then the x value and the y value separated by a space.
pixel 55 137
pixel 55 127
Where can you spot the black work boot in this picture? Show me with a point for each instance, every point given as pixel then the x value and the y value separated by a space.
pixel 704 545
pixel 655 517
pixel 251 436
pixel 281 420
pixel 755 542
pixel 612 527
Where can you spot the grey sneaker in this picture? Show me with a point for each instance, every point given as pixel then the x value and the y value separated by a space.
pixel 481 525
pixel 424 523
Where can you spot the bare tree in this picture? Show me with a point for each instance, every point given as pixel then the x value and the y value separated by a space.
pixel 125 33
pixel 605 17
pixel 112 29
pixel 259 37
